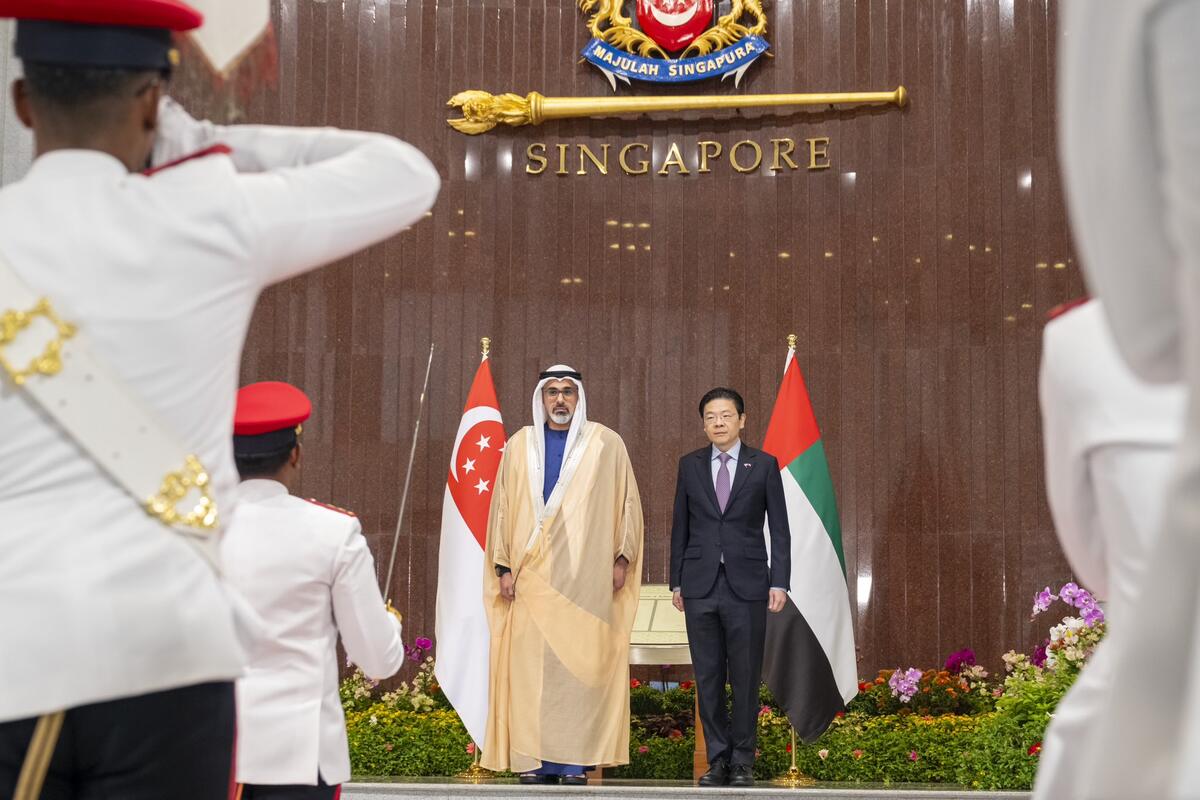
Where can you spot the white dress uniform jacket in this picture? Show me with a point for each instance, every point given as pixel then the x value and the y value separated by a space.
pixel 1109 441
pixel 97 600
pixel 1130 147
pixel 308 573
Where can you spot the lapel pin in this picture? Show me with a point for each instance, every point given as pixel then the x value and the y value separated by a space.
pixel 747 466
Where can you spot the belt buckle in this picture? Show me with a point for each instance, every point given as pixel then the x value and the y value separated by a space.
pixel 13 322
pixel 164 506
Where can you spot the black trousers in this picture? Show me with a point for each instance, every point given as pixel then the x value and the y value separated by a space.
pixel 726 635
pixel 322 791
pixel 176 744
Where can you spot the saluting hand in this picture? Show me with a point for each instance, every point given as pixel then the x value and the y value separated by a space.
pixel 508 586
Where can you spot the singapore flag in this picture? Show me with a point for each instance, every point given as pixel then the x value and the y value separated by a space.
pixel 462 629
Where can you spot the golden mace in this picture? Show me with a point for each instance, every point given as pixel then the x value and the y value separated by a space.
pixel 482 111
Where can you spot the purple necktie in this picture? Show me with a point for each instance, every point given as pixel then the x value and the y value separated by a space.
pixel 723 481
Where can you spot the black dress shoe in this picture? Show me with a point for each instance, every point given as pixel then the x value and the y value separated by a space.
pixel 534 779
pixel 741 775
pixel 574 780
pixel 717 775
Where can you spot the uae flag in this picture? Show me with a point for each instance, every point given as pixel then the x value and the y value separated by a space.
pixel 461 629
pixel 809 663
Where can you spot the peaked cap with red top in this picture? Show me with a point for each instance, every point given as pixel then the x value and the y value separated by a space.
pixel 268 418
pixel 112 34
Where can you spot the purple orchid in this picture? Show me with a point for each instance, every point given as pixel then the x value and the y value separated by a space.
pixel 1042 600
pixel 959 659
pixel 1039 654
pixel 905 683
pixel 423 643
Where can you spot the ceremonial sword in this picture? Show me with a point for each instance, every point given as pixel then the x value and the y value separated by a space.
pixel 387 585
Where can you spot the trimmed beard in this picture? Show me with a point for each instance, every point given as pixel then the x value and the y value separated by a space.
pixel 562 417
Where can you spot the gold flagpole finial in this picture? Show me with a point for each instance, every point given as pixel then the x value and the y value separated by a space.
pixel 791 340
pixel 485 346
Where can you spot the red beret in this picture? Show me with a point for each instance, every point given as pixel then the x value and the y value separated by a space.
pixel 269 406
pixel 168 14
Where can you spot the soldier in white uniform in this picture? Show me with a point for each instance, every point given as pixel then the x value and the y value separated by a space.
pixel 1110 441
pixel 1129 138
pixel 306 569
pixel 113 626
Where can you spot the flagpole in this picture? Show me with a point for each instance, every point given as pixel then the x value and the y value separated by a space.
pixel 412 452
pixel 476 773
pixel 794 778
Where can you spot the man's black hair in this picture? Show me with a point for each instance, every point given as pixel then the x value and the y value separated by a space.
pixel 265 465
pixel 722 393
pixel 68 88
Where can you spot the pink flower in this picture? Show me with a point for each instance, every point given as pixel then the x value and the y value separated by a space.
pixel 823 753
pixel 389 747
pixel 643 749
pixel 913 755
pixel 675 733
pixel 423 643
pixel 762 712
pixel 857 753
pixel 471 748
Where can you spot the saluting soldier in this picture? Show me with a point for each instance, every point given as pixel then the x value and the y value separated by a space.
pixel 124 304
pixel 305 568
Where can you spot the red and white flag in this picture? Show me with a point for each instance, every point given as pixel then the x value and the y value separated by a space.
pixel 461 629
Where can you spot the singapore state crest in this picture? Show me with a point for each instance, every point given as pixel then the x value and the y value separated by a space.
pixel 674 41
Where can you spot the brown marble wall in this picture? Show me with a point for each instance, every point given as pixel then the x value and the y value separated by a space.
pixel 916 271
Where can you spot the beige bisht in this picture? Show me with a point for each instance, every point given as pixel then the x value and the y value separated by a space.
pixel 560 651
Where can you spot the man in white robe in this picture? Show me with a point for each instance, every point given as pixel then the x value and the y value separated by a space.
pixel 561 586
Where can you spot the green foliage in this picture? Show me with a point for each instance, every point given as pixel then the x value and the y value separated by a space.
pixel 385 742
pixel 896 749
pixel 667 758
pixel 997 754
pixel 645 701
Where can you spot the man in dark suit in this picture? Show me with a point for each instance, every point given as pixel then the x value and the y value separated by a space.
pixel 722 581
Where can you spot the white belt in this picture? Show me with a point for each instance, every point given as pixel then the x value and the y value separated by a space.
pixel 48 359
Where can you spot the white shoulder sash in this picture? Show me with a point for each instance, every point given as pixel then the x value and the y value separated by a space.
pixel 48 359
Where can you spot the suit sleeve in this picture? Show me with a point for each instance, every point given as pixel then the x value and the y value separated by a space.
pixel 369 633
pixel 679 527
pixel 781 534
pixel 309 196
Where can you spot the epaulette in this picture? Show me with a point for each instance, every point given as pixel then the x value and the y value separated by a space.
pixel 215 150
pixel 1063 308
pixel 338 509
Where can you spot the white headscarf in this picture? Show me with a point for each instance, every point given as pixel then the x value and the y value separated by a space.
pixel 537 466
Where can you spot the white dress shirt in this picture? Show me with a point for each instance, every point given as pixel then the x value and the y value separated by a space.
pixel 306 570
pixel 97 600
pixel 734 452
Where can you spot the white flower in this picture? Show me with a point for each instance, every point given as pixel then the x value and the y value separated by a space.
pixel 374 720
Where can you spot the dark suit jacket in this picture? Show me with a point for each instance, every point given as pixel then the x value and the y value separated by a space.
pixel 700 533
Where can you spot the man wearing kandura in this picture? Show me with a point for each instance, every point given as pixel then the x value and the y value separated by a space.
pixel 564 550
